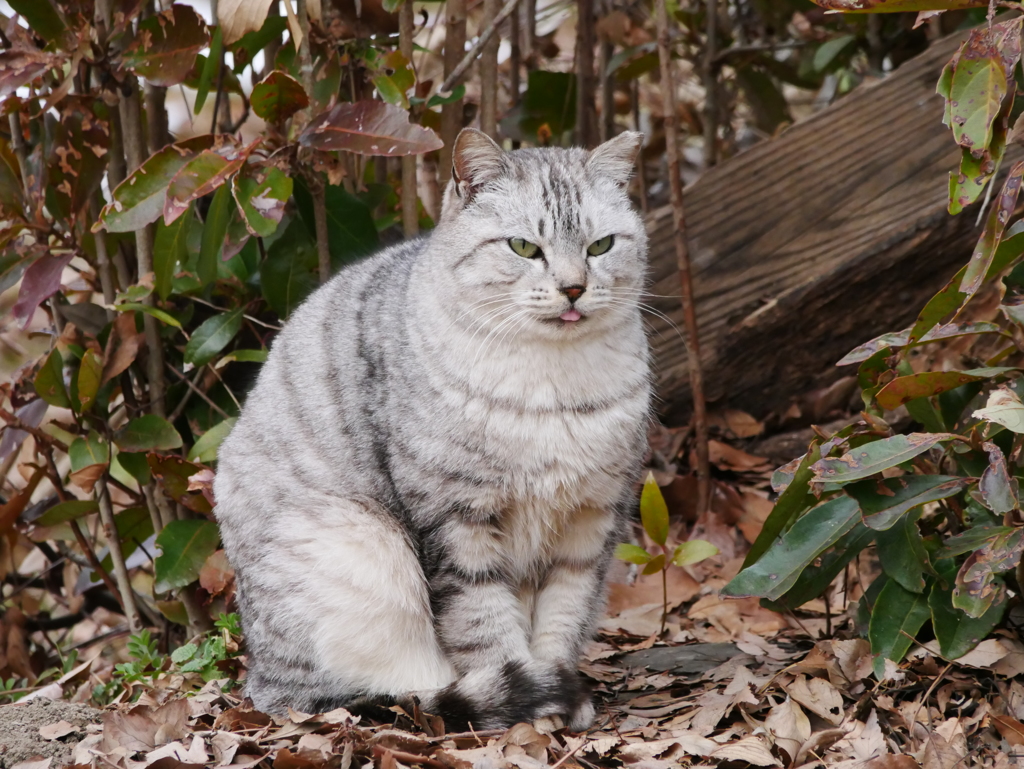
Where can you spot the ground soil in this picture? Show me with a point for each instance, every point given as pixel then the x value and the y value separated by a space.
pixel 20 724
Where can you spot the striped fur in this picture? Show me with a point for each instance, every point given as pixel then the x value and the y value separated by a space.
pixel 425 486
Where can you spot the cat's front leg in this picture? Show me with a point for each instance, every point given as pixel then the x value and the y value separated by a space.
pixel 483 630
pixel 569 603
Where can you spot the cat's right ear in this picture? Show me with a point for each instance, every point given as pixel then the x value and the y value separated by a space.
pixel 476 160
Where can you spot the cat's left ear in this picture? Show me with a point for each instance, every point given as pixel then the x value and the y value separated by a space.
pixel 616 158
pixel 476 160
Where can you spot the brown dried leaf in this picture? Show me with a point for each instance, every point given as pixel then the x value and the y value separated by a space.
pixel 819 696
pixel 56 731
pixel 144 728
pixel 122 346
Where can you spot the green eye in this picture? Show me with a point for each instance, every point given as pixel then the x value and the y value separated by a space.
pixel 601 246
pixel 523 247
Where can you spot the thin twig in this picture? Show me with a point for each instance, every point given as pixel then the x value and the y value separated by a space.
pixel 710 75
pixel 489 74
pixel 185 398
pixel 410 214
pixel 124 583
pixel 692 339
pixel 197 391
pixel 83 543
pixel 467 61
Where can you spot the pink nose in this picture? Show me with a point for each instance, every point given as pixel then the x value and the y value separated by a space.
pixel 573 292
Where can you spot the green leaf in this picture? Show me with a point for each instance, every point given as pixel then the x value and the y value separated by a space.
pixel 978 584
pixel 248 45
pixel 830 50
pixel 977 90
pixel 184 653
pixel 206 172
pixel 205 449
pixel 907 388
pixel 656 564
pixel 632 553
pixel 166 44
pixel 209 71
pixel 950 298
pixel 42 18
pixel 895 621
pixel 901 551
pixel 149 309
pixel 884 501
pixel 170 248
pixel 871 458
pixel 1004 408
pixel 438 100
pixel 184 547
pixel 49 382
pixel 693 551
pixel 88 451
pixel 90 375
pixel 67 511
pixel 214 229
pixel 148 433
pixel 261 199
pixel 244 356
pixel 820 574
pixel 999 492
pixel 277 97
pixel 351 233
pixel 134 526
pixel 956 631
pixel 654 511
pixel 984 253
pixel 213 336
pixel 135 465
pixel 288 274
pixel 780 567
pixel 796 498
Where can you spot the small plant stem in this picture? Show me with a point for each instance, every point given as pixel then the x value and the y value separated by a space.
pixel 489 75
pixel 218 93
pixel 641 171
pixel 124 584
pixel 134 148
pixel 664 597
pixel 410 216
pixel 103 264
pixel 194 388
pixel 691 339
pixel 585 91
pixel 83 543
pixel 323 246
pixel 451 113
pixel 482 40
pixel 710 76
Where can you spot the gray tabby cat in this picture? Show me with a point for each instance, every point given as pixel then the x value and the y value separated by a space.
pixel 422 494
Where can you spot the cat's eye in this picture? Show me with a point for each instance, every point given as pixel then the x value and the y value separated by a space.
pixel 524 247
pixel 601 246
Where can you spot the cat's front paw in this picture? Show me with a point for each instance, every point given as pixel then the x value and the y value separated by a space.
pixel 582 717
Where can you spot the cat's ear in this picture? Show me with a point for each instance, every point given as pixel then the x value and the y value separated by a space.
pixel 616 158
pixel 476 160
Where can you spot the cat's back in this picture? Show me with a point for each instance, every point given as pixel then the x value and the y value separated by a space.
pixel 311 410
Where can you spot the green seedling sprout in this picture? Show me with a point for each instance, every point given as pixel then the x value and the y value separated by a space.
pixel 654 517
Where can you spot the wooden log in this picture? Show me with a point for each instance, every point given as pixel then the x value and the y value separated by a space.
pixel 810 244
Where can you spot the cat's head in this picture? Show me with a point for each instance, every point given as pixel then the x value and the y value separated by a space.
pixel 542 242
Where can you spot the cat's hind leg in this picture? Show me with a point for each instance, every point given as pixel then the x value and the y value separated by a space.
pixel 336 608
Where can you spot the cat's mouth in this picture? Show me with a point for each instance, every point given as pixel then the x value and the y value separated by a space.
pixel 567 318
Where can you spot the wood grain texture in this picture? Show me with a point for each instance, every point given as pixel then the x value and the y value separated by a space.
pixel 805 246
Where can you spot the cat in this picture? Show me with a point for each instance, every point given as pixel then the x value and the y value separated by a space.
pixel 425 487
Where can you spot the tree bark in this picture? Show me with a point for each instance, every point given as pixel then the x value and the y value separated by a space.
pixel 586 93
pixel 489 73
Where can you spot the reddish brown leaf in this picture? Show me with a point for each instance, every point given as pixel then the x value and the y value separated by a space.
pixel 216 575
pixel 166 45
pixel 122 346
pixel 79 155
pixel 173 474
pixel 277 97
pixel 39 283
pixel 369 128
pixel 1010 729
pixel 200 176
pixel 19 66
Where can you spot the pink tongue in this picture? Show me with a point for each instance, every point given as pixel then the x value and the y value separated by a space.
pixel 572 316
